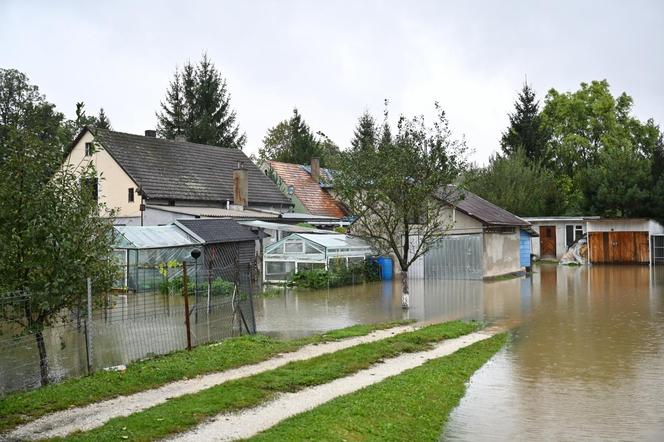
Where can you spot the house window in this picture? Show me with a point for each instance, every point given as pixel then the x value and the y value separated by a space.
pixel 91 185
pixel 130 195
pixel 573 233
pixel 89 150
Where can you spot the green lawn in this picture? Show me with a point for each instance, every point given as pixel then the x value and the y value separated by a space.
pixel 184 412
pixel 22 407
pixel 412 406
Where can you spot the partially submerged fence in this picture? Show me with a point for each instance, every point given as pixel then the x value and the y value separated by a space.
pixel 190 305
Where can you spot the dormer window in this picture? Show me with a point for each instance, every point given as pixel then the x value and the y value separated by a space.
pixel 89 150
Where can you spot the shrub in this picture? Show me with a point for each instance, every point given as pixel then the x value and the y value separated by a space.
pixel 320 278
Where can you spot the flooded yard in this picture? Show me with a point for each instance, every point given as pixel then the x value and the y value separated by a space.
pixel 586 360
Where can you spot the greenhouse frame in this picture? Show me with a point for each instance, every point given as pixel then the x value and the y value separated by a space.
pixel 307 251
pixel 144 252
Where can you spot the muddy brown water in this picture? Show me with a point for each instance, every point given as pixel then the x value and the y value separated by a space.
pixel 585 362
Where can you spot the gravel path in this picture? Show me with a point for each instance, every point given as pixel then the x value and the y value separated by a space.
pixel 226 427
pixel 85 418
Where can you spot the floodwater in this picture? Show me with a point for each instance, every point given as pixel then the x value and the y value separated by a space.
pixel 585 362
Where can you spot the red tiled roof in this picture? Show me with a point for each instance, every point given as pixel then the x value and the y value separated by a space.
pixel 316 200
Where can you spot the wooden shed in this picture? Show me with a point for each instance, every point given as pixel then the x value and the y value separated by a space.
pixel 624 241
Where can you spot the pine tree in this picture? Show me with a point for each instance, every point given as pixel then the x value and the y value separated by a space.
pixel 525 132
pixel 365 135
pixel 292 141
pixel 198 106
pixel 102 120
pixel 171 122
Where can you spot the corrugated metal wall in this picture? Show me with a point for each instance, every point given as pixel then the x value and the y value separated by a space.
pixel 455 257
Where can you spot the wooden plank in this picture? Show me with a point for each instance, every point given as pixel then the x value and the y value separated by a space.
pixel 643 247
pixel 596 243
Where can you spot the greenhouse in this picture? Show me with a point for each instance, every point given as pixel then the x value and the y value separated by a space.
pixel 150 254
pixel 306 251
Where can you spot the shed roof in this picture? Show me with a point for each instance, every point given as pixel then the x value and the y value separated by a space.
pixel 217 230
pixel 316 199
pixel 152 237
pixel 282 227
pixel 335 240
pixel 479 208
pixel 215 212
pixel 179 170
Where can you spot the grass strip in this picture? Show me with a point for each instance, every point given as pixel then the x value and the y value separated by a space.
pixel 412 406
pixel 18 408
pixel 185 412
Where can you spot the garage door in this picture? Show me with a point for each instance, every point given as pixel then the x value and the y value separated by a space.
pixel 455 257
pixel 618 247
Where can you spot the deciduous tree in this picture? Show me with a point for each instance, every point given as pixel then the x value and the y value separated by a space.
pixel 396 188
pixel 51 231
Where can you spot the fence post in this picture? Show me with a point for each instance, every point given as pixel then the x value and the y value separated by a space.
pixel 88 327
pixel 185 293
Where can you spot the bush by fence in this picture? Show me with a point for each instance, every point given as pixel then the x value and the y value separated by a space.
pixel 359 273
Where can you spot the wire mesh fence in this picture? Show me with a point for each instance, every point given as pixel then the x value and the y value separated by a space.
pixel 126 326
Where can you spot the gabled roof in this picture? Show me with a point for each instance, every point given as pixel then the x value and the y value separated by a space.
pixel 183 171
pixel 482 210
pixel 213 231
pixel 317 200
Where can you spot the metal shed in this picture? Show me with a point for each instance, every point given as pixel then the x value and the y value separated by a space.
pixel 229 248
pixel 301 251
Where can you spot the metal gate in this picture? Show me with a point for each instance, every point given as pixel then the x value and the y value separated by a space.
pixel 455 257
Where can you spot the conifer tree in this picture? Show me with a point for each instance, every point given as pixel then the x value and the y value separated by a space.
pixel 525 132
pixel 365 136
pixel 102 120
pixel 292 141
pixel 172 119
pixel 197 106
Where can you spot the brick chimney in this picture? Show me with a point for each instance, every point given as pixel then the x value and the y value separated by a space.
pixel 151 133
pixel 240 185
pixel 315 169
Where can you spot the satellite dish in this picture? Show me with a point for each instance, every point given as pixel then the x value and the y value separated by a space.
pixel 291 190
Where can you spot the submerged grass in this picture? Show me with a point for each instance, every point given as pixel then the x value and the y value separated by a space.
pixel 412 406
pixel 185 412
pixel 18 408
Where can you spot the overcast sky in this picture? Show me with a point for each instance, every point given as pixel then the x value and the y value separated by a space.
pixel 333 60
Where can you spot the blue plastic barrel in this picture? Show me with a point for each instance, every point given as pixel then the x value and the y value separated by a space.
pixel 385 264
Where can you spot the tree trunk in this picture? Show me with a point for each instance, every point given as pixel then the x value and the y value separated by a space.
pixel 43 361
pixel 405 295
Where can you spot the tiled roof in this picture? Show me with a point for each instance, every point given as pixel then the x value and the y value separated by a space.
pixel 218 230
pixel 183 171
pixel 315 199
pixel 480 209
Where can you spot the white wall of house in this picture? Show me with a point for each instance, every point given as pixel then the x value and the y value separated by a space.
pixel 501 253
pixel 626 225
pixel 561 233
pixel 114 183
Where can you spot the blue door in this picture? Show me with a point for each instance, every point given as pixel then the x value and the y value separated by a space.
pixel 524 249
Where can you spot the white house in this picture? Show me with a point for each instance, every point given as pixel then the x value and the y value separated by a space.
pixel 152 181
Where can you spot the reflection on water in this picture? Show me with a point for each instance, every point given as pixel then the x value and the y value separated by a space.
pixel 586 360
pixel 587 364
pixel 300 312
